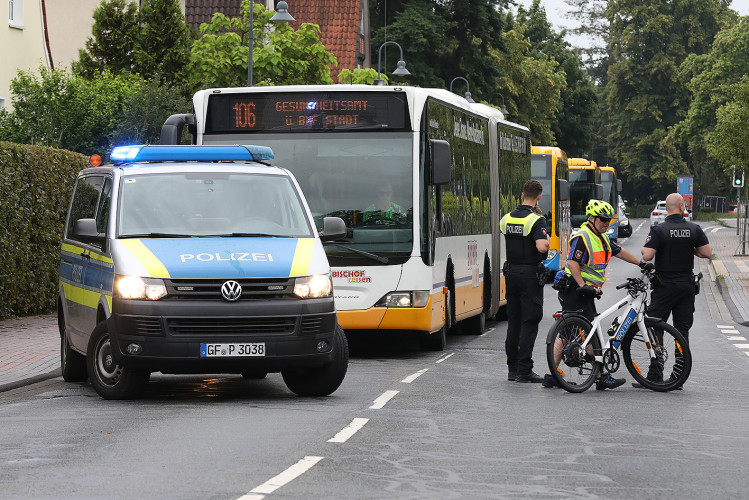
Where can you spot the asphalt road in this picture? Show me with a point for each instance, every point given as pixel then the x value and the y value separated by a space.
pixel 404 424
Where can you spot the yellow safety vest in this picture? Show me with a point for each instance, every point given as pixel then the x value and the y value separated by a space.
pixel 518 226
pixel 599 253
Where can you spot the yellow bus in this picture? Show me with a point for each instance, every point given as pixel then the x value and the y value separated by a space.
pixel 585 184
pixel 611 189
pixel 549 167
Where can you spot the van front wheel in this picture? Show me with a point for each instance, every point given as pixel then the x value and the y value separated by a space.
pixel 320 380
pixel 110 380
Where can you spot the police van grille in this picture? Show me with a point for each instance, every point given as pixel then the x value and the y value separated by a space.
pixel 230 326
pixel 210 289
pixel 147 326
pixel 312 324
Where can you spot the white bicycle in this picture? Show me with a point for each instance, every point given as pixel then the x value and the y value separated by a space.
pixel 655 353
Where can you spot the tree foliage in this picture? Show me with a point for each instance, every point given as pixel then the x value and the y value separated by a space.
pixel 63 110
pixel 649 42
pixel 281 55
pixel 727 142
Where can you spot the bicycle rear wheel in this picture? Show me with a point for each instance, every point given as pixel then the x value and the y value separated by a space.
pixel 573 368
pixel 669 368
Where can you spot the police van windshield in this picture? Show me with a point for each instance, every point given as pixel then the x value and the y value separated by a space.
pixel 210 205
pixel 363 177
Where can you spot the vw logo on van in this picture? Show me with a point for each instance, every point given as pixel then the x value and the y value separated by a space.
pixel 231 290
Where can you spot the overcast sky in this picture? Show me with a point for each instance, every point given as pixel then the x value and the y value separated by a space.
pixel 556 12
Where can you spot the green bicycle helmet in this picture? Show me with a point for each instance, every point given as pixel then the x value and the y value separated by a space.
pixel 599 208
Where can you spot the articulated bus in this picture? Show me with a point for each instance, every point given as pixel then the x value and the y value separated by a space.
pixel 611 189
pixel 585 185
pixel 549 167
pixel 420 176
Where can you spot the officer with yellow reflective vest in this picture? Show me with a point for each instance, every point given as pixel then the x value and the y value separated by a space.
pixel 583 276
pixel 527 245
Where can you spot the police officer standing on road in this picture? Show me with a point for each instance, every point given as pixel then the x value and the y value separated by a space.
pixel 674 243
pixel 527 245
pixel 585 273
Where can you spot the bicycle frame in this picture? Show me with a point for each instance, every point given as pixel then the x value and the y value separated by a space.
pixel 638 302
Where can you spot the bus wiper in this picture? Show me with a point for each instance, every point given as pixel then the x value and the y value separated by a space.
pixel 156 235
pixel 375 257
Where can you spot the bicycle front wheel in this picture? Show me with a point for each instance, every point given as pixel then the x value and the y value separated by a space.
pixel 664 369
pixel 574 368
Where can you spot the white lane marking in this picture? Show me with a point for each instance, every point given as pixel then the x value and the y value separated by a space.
pixel 742 346
pixel 348 431
pixel 716 228
pixel 382 400
pixel 414 376
pixel 729 331
pixel 746 352
pixel 283 478
pixel 639 226
pixel 725 326
pixel 444 358
pixel 736 338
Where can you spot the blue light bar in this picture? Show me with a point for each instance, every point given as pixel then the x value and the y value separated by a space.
pixel 132 154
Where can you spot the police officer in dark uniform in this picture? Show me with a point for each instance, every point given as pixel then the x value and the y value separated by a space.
pixel 674 243
pixel 527 246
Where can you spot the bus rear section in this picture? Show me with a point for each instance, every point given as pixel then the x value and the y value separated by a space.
pixel 585 185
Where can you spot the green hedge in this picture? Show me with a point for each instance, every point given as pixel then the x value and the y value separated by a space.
pixel 35 187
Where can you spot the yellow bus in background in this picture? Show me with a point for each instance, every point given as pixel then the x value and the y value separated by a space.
pixel 585 185
pixel 612 186
pixel 549 167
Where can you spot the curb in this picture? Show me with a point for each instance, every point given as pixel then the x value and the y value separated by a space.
pixel 30 380
pixel 719 271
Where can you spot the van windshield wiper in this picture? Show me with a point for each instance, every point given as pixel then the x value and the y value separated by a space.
pixel 245 235
pixel 375 257
pixel 156 235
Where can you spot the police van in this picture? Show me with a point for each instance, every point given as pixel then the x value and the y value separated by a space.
pixel 196 259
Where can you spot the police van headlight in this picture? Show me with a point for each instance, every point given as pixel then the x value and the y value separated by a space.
pixel 313 287
pixel 135 287
pixel 416 298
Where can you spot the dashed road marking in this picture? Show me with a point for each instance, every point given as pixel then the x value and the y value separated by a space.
pixel 725 326
pixel 736 338
pixel 742 346
pixel 349 430
pixel 444 358
pixel 729 331
pixel 414 376
pixel 282 479
pixel 382 400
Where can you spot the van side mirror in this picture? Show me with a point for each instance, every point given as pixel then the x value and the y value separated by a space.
pixel 564 190
pixel 440 163
pixel 333 228
pixel 599 191
pixel 85 230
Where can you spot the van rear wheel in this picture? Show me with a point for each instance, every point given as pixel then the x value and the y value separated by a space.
pixel 110 380
pixel 320 380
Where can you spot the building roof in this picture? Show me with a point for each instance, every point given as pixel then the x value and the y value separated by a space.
pixel 201 11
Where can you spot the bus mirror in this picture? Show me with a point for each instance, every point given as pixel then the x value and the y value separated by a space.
pixel 333 228
pixel 440 162
pixel 171 131
pixel 619 185
pixel 564 190
pixel 599 191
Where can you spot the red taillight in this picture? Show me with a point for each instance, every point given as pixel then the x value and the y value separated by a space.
pixel 656 213
pixel 556 315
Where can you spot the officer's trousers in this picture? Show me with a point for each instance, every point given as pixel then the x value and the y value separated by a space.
pixel 525 309
pixel 571 301
pixel 675 298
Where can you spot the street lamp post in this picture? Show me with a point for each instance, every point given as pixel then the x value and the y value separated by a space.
pixel 281 15
pixel 504 110
pixel 399 71
pixel 468 88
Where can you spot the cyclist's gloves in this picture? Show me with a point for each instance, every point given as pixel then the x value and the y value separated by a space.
pixel 587 291
pixel 646 266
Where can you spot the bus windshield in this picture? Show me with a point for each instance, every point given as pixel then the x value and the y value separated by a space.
pixel 609 187
pixel 365 178
pixel 582 189
pixel 541 171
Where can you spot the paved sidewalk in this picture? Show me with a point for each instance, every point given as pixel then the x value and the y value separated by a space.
pixel 30 346
pixel 29 350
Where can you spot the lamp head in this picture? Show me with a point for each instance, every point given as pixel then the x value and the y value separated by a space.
pixel 401 69
pixel 282 13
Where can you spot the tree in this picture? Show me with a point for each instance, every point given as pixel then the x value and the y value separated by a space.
pixel 594 26
pixel 649 41
pixel 115 33
pixel 572 124
pixel 281 55
pixel 163 42
pixel 67 111
pixel 727 141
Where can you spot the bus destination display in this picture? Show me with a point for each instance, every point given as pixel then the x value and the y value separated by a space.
pixel 303 111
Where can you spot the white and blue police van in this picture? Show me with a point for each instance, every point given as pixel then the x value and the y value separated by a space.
pixel 196 259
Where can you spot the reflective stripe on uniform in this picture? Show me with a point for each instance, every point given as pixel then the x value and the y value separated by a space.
pixel 527 222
